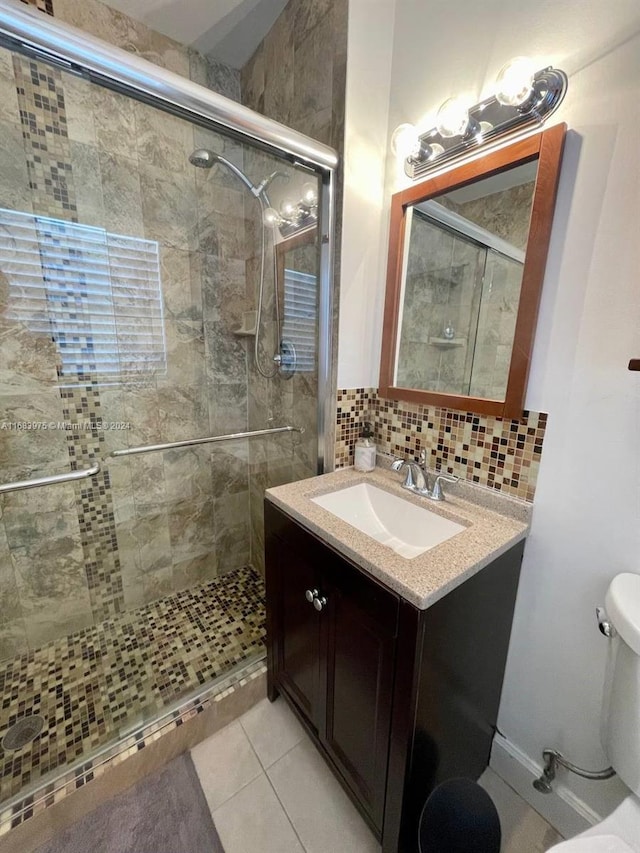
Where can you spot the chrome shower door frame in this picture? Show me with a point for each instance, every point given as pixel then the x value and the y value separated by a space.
pixel 32 32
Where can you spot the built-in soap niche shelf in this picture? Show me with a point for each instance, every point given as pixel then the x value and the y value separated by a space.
pixel 447 343
pixel 248 326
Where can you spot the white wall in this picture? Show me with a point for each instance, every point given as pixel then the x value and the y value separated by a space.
pixel 586 525
pixel 364 235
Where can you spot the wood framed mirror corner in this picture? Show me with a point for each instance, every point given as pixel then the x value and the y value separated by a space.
pixel 467 256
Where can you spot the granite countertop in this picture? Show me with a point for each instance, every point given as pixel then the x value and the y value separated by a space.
pixel 493 524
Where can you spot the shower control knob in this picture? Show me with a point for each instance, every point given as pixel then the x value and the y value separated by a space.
pixel 319 602
pixel 311 595
pixel 277 359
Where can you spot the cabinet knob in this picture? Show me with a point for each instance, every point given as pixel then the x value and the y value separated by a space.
pixel 319 602
pixel 310 595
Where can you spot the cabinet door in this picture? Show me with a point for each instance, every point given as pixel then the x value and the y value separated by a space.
pixel 361 626
pixel 294 626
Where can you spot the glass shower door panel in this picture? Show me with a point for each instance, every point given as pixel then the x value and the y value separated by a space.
pixel 440 308
pixel 496 326
pixel 131 278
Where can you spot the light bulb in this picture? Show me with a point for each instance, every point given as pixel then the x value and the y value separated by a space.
pixel 271 218
pixel 514 83
pixel 309 194
pixel 405 141
pixel 288 209
pixel 452 118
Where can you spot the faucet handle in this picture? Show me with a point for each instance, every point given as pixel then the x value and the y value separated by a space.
pixel 437 493
pixel 398 465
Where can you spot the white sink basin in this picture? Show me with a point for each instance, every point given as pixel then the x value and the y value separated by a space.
pixel 407 529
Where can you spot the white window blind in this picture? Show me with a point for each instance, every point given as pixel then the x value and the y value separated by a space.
pixel 300 296
pixel 98 295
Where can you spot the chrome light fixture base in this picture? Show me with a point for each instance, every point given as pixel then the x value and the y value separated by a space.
pixel 490 122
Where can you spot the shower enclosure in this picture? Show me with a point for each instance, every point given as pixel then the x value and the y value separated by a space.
pixel 164 341
pixel 460 307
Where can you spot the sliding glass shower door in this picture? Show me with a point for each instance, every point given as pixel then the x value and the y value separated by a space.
pixel 146 298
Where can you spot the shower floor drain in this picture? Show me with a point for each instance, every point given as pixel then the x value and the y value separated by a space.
pixel 22 733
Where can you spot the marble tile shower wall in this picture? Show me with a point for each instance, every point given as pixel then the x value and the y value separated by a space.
pixel 494 452
pixel 278 401
pixel 297 76
pixel 74 555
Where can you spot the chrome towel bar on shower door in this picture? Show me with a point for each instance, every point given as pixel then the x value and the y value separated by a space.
pixel 151 448
pixel 52 480
pixel 72 476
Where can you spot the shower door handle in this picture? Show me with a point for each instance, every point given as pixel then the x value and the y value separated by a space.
pixel 71 477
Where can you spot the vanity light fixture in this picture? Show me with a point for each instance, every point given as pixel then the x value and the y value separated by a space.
pixel 523 100
pixel 294 215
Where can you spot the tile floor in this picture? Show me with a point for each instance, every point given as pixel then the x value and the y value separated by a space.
pixel 269 790
pixel 523 829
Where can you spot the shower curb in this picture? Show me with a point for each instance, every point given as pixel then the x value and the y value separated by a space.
pixel 16 812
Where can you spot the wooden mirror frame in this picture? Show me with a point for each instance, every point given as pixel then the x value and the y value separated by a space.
pixel 545 147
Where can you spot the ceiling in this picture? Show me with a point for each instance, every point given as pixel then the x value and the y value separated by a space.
pixel 226 30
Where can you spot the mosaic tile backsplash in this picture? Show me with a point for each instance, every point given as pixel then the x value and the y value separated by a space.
pixel 495 452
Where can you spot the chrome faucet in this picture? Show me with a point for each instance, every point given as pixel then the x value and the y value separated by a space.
pixel 417 478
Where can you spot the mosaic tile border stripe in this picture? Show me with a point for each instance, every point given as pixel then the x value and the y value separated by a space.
pixel 84 772
pixel 43 115
pixel 45 6
pixel 495 452
pixel 94 502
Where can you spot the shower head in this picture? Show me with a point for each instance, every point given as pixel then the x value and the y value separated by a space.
pixel 204 158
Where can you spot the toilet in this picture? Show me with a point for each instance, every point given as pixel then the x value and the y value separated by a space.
pixel 620 732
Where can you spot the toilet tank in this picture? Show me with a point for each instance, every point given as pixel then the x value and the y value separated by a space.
pixel 621 701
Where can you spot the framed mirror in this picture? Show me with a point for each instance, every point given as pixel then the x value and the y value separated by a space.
pixel 467 253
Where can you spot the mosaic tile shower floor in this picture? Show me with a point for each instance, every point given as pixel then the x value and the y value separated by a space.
pixel 96 684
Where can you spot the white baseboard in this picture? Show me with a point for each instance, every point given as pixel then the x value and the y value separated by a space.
pixel 566 812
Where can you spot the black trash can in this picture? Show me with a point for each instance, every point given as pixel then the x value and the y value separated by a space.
pixel 459 817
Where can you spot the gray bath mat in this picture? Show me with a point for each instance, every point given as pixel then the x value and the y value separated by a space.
pixel 164 813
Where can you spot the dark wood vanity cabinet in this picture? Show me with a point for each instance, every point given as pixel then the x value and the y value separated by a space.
pixel 397 699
